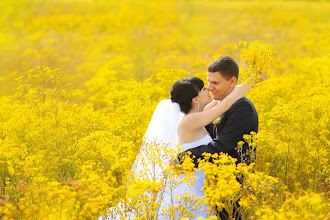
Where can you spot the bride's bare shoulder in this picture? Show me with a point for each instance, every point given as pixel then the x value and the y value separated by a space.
pixel 183 130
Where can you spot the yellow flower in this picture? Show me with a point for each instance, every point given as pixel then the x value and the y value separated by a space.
pixel 217 121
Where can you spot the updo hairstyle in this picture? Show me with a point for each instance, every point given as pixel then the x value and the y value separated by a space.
pixel 184 90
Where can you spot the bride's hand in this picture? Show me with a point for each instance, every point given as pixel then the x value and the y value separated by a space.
pixel 263 78
pixel 259 80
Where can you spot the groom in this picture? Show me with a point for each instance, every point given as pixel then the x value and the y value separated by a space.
pixel 240 119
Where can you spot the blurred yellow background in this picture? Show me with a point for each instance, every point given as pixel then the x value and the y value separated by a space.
pixel 79 81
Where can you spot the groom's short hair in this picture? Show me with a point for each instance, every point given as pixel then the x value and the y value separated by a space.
pixel 226 66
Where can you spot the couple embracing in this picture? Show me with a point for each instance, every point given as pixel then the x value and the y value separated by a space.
pixel 213 126
pixel 206 125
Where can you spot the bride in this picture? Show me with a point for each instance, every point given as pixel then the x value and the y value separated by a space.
pixel 168 125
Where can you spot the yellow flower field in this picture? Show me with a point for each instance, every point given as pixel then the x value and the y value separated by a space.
pixel 80 79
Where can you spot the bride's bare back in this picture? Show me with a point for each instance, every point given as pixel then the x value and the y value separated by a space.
pixel 188 136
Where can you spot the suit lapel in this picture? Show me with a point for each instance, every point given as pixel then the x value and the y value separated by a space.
pixel 220 126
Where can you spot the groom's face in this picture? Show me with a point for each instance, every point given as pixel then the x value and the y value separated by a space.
pixel 220 86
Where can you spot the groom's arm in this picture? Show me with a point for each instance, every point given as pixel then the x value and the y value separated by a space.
pixel 238 123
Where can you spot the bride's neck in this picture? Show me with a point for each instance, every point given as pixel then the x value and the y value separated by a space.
pixel 195 109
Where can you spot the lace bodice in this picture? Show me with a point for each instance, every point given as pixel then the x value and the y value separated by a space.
pixel 204 141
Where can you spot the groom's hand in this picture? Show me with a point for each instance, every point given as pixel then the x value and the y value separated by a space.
pixel 180 158
pixel 187 154
pixel 197 153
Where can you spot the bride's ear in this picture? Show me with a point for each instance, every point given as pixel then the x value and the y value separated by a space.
pixel 195 100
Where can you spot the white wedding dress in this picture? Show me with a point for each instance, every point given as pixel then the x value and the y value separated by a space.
pixel 196 190
pixel 162 128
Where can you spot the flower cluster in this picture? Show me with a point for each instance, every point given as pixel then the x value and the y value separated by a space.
pixel 259 59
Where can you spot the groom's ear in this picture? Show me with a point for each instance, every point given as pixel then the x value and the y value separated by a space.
pixel 233 81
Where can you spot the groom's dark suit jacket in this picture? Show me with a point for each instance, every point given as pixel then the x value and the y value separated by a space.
pixel 240 119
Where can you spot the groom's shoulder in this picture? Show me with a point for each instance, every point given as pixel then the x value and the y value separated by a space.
pixel 244 102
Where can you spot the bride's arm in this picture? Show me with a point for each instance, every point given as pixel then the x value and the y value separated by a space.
pixel 198 120
pixel 210 105
pixel 213 103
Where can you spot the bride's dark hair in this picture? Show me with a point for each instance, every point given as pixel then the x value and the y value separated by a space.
pixel 184 90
